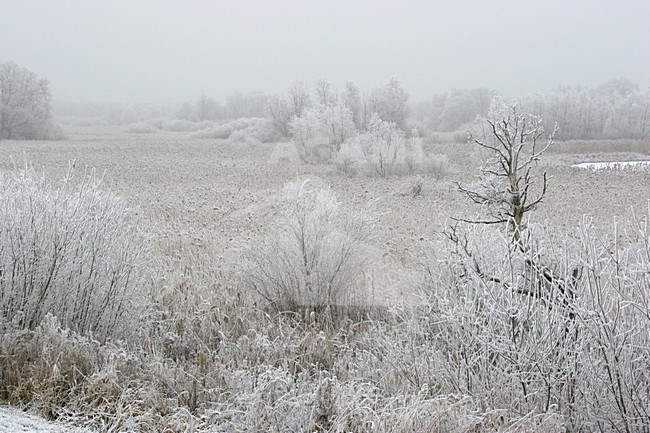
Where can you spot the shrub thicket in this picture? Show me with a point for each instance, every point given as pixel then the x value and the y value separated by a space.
pixel 70 250
pixel 560 341
pixel 383 150
pixel 318 133
pixel 314 254
pixel 241 130
pixel 472 356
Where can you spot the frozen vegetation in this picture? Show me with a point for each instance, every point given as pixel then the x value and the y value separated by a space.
pixel 365 273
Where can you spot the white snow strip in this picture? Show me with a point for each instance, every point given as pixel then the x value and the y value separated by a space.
pixel 618 165
pixel 14 420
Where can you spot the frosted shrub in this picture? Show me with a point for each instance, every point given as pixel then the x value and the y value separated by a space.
pixel 437 165
pixel 383 150
pixel 378 150
pixel 310 141
pixel 414 160
pixel 318 133
pixel 337 121
pixel 262 130
pixel 564 338
pixel 70 250
pixel 255 128
pixel 241 136
pixel 613 389
pixel 143 127
pixel 314 254
pixel 180 125
pixel 350 158
pixel 221 131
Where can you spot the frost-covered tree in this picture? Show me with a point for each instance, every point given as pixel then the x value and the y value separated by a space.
pixel 307 135
pixel 283 108
pixel 299 97
pixel 427 113
pixel 337 123
pixel 505 187
pixel 383 150
pixel 389 102
pixel 25 110
pixel 252 104
pixel 280 113
pixel 202 109
pixel 463 106
pixel 207 108
pixel 458 110
pixel 352 100
pixel 325 95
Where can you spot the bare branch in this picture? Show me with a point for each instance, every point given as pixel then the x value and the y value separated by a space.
pixel 513 140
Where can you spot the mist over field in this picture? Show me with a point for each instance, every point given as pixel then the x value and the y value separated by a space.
pixel 341 216
pixel 168 51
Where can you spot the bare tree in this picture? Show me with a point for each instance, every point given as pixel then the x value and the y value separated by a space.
pixel 252 104
pixel 324 93
pixel 282 109
pixel 505 191
pixel 352 99
pixel 525 279
pixel 389 102
pixel 207 108
pixel 505 188
pixel 299 98
pixel 25 110
pixel 280 114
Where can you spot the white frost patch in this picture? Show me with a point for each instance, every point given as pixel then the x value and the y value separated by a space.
pixel 13 420
pixel 619 165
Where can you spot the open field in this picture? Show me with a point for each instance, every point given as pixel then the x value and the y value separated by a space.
pixel 201 198
pixel 443 353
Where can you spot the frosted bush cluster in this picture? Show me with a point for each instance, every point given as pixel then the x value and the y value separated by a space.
pixel 557 340
pixel 68 249
pixel 383 150
pixel 328 134
pixel 314 254
pixel 249 130
pixel 320 132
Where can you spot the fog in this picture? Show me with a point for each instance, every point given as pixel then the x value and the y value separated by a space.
pixel 171 51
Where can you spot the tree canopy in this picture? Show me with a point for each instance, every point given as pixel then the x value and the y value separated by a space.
pixel 25 103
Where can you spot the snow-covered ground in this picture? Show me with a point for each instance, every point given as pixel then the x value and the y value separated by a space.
pixel 621 165
pixel 14 420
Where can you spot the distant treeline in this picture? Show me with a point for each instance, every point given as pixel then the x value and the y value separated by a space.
pixel 614 109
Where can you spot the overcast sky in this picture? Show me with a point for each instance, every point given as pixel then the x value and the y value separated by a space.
pixel 162 51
